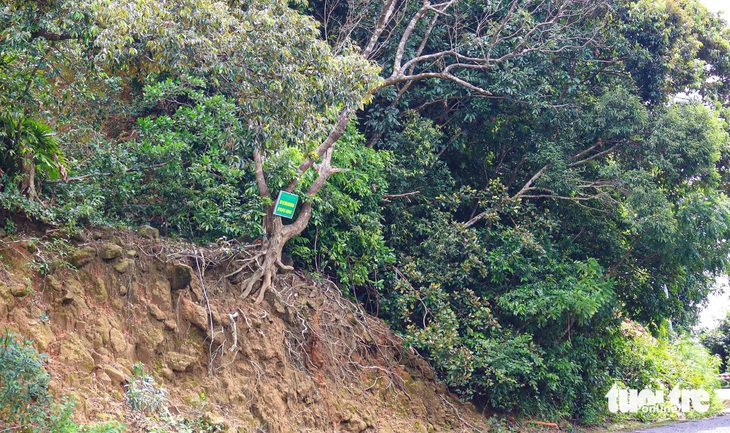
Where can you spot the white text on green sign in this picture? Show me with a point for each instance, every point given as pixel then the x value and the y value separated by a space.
pixel 286 204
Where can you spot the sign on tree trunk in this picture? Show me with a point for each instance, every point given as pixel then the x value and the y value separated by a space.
pixel 286 204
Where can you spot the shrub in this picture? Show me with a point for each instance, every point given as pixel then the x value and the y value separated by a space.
pixel 25 402
pixel 662 364
pixel 143 393
pixel 717 341
pixel 26 405
pixel 146 396
pixel 106 427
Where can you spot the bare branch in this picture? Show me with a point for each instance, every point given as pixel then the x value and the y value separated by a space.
pixel 485 35
pixel 387 197
pixel 594 156
pixel 383 21
pixel 598 144
pixel 400 51
pixel 533 179
pixel 442 75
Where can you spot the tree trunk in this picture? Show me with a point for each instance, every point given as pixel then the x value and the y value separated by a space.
pixel 278 234
pixel 266 273
pixel 27 176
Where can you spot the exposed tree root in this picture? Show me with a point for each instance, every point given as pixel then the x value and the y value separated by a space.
pixel 251 281
pixel 266 272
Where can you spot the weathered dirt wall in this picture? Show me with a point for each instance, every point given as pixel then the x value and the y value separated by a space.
pixel 305 359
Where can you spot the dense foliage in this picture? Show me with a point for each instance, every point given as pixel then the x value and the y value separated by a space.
pixel 717 341
pixel 510 184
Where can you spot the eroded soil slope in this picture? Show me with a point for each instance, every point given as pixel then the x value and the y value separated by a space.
pixel 305 359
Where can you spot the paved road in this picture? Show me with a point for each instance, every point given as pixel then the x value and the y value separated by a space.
pixel 720 424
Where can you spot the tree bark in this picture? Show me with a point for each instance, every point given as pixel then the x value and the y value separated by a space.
pixel 27 175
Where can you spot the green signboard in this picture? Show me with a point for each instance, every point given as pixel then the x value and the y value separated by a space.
pixel 285 204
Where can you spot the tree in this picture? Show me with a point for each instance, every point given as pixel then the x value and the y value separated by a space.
pixel 26 142
pixel 537 226
pixel 468 38
pixel 287 84
pixel 295 93
pixel 717 341
pixel 599 151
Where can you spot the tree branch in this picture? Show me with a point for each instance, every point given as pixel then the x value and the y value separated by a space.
pixel 88 176
pixel 530 182
pixel 387 197
pixel 324 171
pixel 594 156
pixel 525 188
pixel 407 35
pixel 548 36
pixel 383 21
pixel 260 178
pixel 50 36
pixel 327 144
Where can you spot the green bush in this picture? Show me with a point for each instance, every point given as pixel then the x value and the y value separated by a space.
pixel 106 427
pixel 188 170
pixel 144 394
pixel 717 341
pixel 26 404
pixel 663 364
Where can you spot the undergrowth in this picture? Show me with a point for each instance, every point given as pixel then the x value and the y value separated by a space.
pixel 27 405
pixel 662 365
pixel 146 397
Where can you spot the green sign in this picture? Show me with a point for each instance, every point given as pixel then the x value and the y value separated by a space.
pixel 285 204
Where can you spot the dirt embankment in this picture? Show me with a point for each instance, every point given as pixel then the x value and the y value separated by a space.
pixel 305 359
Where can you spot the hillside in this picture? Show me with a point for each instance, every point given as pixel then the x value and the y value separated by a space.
pixel 305 359
pixel 506 184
